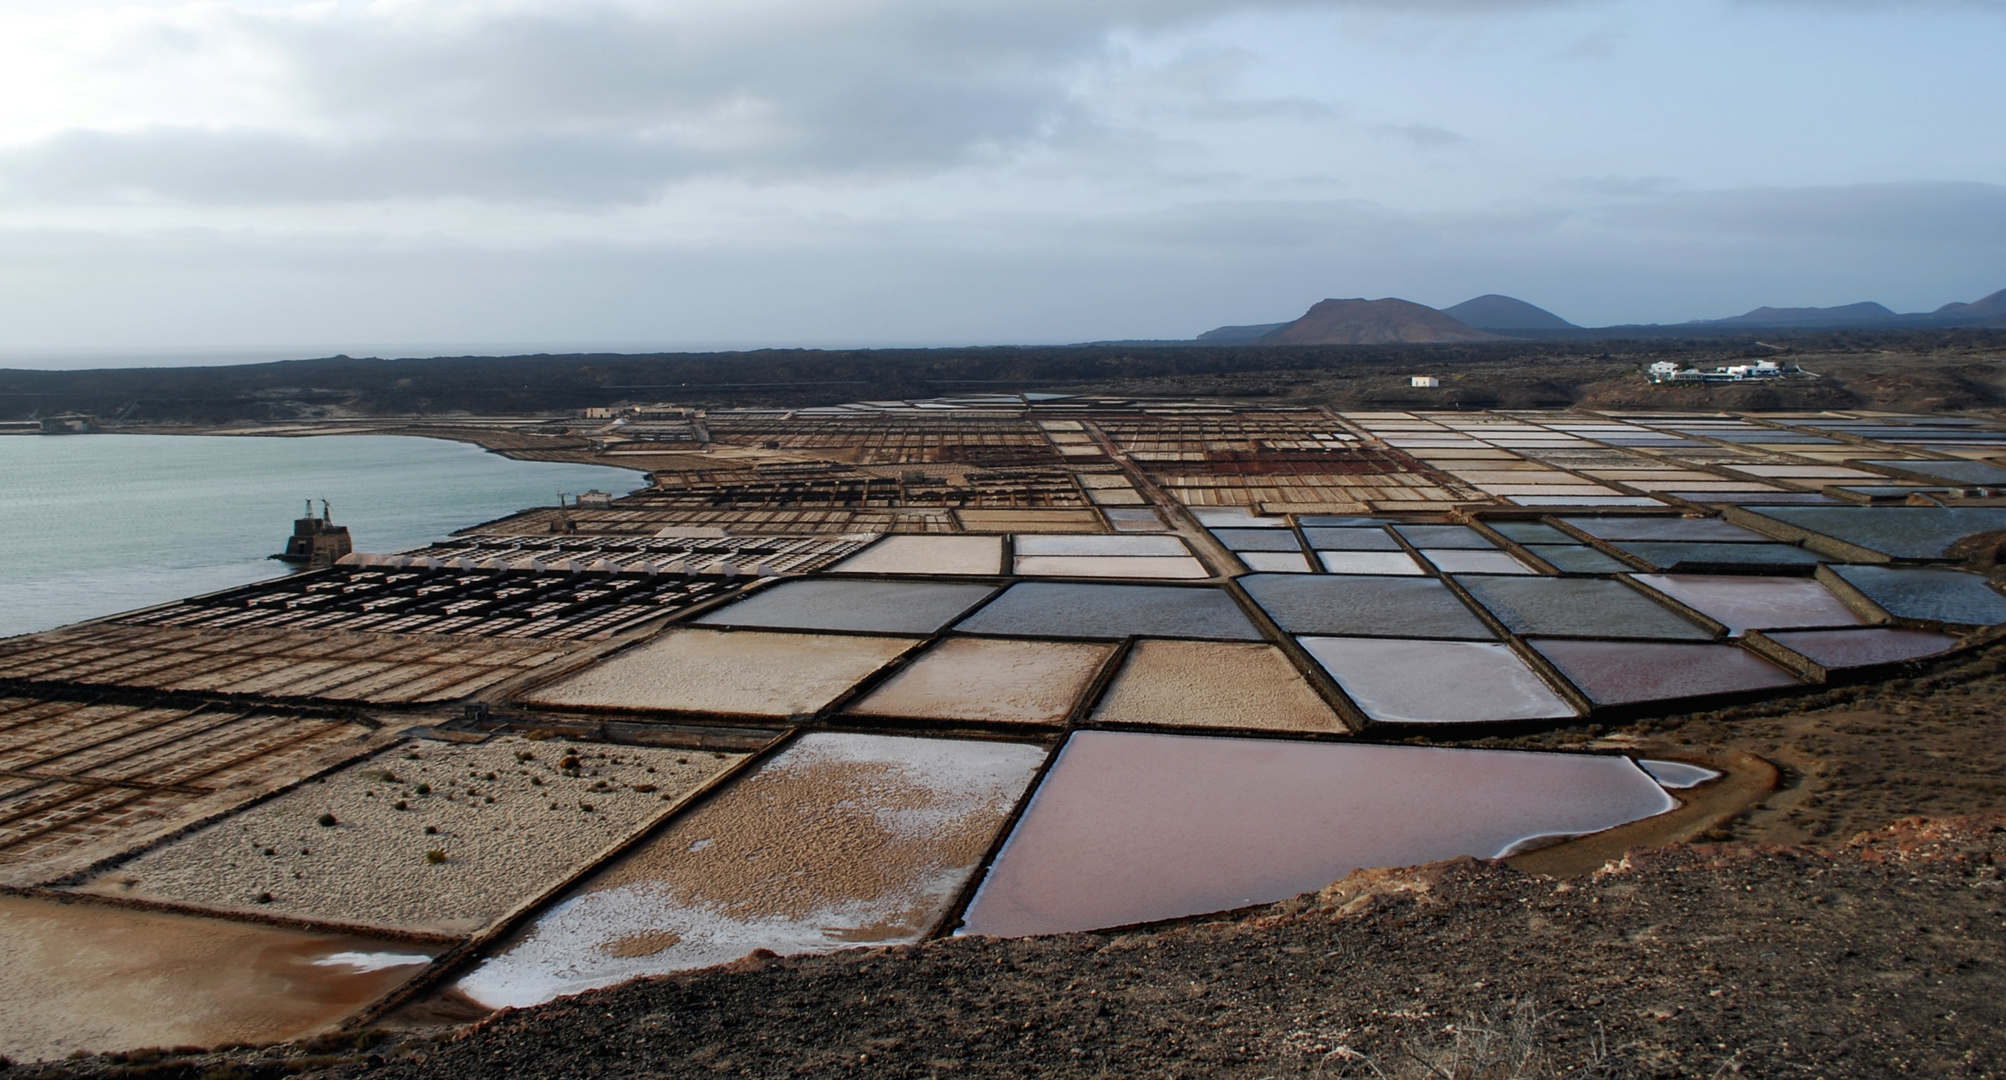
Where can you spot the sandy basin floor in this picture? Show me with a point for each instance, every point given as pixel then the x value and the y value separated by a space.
pixel 841 840
pixel 508 815
pixel 83 977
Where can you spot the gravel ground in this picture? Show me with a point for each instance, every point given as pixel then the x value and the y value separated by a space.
pixel 508 817
pixel 1884 958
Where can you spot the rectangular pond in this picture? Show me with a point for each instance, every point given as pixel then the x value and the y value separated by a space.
pixel 1403 681
pixel 1754 603
pixel 1070 610
pixel 1629 672
pixel 1129 827
pixel 900 607
pixel 1578 607
pixel 1354 606
pixel 745 672
pixel 841 840
pixel 923 554
pixel 1213 684
pixel 999 680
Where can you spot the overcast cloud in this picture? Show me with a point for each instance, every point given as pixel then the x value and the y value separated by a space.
pixel 337 174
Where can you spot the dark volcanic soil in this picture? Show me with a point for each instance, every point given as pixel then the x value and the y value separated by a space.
pixel 1883 958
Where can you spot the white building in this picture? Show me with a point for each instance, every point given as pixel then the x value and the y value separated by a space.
pixel 1424 380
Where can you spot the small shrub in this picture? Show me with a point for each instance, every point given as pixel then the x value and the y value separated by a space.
pixel 326 821
pixel 431 830
pixel 423 789
pixel 524 755
pixel 263 898
pixel 435 856
pixel 568 762
pixel 401 805
pixel 585 806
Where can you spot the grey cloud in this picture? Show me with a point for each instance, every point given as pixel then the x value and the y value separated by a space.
pixel 1423 135
pixel 602 102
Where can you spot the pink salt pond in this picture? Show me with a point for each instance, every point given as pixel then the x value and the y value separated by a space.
pixel 1130 828
pixel 1837 650
pixel 1628 672
pixel 1754 603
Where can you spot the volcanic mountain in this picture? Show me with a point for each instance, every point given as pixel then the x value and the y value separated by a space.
pixel 1371 322
pixel 1991 311
pixel 1494 312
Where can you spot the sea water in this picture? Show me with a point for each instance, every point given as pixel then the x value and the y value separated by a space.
pixel 91 525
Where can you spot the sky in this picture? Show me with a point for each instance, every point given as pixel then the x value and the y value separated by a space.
pixel 228 180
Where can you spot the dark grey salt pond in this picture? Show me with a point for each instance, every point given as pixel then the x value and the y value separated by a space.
pixel 823 604
pixel 1702 557
pixel 1530 532
pixel 1902 532
pixel 1258 539
pixel 1054 609
pixel 1578 607
pixel 1935 595
pixel 1351 540
pixel 1577 559
pixel 1444 536
pixel 1364 606
pixel 1958 472
pixel 1628 672
pixel 1698 530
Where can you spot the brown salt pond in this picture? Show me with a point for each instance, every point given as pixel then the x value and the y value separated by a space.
pixel 923 554
pixel 749 673
pixel 93 978
pixel 1000 680
pixel 841 840
pixel 509 817
pixel 1213 684
pixel 1129 827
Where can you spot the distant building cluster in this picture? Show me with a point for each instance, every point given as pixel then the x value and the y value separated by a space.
pixel 1666 371
pixel 655 423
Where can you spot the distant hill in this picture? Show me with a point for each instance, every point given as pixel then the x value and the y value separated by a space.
pixel 1371 322
pixel 1238 335
pixel 1494 312
pixel 1866 313
pixel 1991 311
pixel 1490 317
